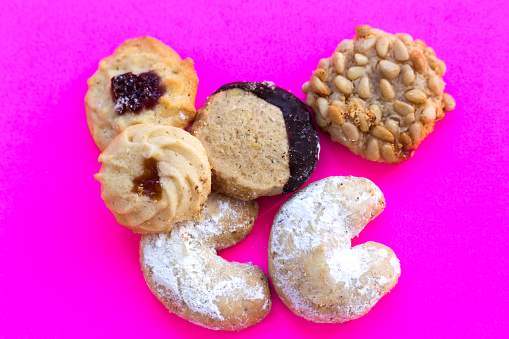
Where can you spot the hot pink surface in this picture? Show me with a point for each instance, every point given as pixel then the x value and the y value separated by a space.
pixel 67 269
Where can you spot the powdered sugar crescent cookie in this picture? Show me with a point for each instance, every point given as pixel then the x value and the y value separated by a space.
pixel 259 139
pixel 144 81
pixel 379 94
pixel 153 176
pixel 183 270
pixel 313 267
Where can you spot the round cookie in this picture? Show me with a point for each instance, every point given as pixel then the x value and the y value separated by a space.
pixel 313 267
pixel 259 139
pixel 153 176
pixel 144 81
pixel 379 94
pixel 183 270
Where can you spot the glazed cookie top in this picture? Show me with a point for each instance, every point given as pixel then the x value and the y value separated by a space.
pixel 153 176
pixel 259 139
pixel 379 94
pixel 184 271
pixel 313 267
pixel 144 81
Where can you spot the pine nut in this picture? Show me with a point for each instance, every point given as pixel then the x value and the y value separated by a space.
pixel 415 132
pixel 382 133
pixel 342 83
pixel 358 103
pixel 418 61
pixel 335 96
pixel 382 46
pixel 363 30
pixel 318 86
pixel 351 132
pixel 363 88
pixel 416 96
pixel 306 87
pixel 406 38
pixel 408 75
pixel 420 43
pixel 388 153
pixel 339 62
pixel 409 118
pixel 354 72
pixel 372 151
pixel 364 45
pixel 440 68
pixel 320 74
pixel 310 99
pixel 338 135
pixel 392 126
pixel 335 115
pixel 363 122
pixel 405 141
pixel 377 112
pixel 449 102
pixel 323 106
pixel 345 45
pixel 389 69
pixel 324 63
pixel 320 121
pixel 386 89
pixel 361 59
pixel 400 51
pixel 435 85
pixel 428 114
pixel 402 108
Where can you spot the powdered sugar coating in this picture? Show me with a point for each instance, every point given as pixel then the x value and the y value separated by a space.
pixel 184 271
pixel 312 265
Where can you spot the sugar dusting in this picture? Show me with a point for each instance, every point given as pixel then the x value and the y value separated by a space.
pixel 186 271
pixel 322 218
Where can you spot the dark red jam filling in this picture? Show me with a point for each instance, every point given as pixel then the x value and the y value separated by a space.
pixel 135 92
pixel 148 183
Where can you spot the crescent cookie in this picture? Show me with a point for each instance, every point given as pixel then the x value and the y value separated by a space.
pixel 379 94
pixel 153 176
pixel 259 139
pixel 144 81
pixel 313 267
pixel 185 273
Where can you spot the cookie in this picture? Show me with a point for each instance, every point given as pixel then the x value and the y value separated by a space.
pixel 259 139
pixel 313 267
pixel 144 81
pixel 153 176
pixel 379 94
pixel 185 273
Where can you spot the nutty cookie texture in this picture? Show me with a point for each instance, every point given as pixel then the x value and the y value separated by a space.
pixel 313 267
pixel 183 270
pixel 144 81
pixel 153 176
pixel 379 94
pixel 259 139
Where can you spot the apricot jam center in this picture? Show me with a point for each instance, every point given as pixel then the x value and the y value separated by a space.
pixel 148 183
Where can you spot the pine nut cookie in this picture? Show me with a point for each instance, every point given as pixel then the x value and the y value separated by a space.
pixel 313 267
pixel 183 270
pixel 153 176
pixel 259 139
pixel 379 94
pixel 144 81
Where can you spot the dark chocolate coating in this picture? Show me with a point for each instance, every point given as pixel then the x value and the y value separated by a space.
pixel 302 137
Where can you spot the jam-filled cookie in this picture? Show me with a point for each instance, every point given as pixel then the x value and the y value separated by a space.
pixel 144 81
pixel 259 139
pixel 153 176
pixel 313 267
pixel 379 94
pixel 183 270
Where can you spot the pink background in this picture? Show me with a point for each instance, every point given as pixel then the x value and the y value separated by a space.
pixel 67 269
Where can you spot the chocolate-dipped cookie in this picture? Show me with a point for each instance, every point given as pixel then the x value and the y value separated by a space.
pixel 259 139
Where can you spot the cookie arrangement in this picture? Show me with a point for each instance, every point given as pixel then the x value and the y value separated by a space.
pixel 192 193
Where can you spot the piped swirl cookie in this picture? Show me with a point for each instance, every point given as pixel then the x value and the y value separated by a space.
pixel 144 81
pixel 259 139
pixel 379 94
pixel 153 176
pixel 313 267
pixel 183 270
